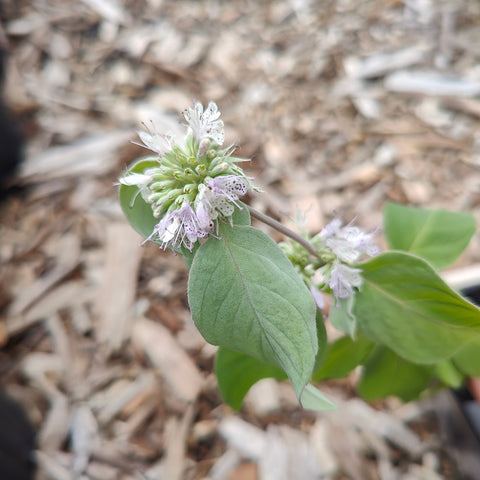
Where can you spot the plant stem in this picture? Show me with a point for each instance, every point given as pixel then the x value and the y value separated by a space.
pixel 282 229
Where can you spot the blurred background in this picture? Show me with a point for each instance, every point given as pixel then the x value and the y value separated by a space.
pixel 341 106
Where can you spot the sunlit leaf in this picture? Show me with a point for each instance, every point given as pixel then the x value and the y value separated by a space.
pixel 405 305
pixel 439 236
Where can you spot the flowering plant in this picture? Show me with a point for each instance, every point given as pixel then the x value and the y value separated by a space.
pixel 265 305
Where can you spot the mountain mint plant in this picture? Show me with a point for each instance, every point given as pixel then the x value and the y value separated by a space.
pixel 265 305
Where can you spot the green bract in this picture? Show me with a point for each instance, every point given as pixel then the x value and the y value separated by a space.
pixel 138 212
pixel 180 172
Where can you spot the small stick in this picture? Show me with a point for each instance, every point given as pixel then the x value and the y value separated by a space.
pixel 282 229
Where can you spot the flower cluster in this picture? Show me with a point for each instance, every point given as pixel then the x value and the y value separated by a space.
pixel 338 249
pixel 196 181
pixel 344 246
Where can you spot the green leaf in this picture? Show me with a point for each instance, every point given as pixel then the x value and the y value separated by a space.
pixel 237 372
pixel 385 374
pixel 138 212
pixel 246 296
pixel 405 305
pixel 439 236
pixel 342 316
pixel 239 217
pixel 321 338
pixel 188 255
pixel 467 360
pixel 342 356
pixel 313 399
pixel 449 374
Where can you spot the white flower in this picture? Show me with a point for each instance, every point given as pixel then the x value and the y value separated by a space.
pixel 219 197
pixel 133 178
pixel 229 186
pixel 348 243
pixel 205 124
pixel 331 229
pixel 154 141
pixel 141 180
pixel 197 175
pixel 178 228
pixel 344 279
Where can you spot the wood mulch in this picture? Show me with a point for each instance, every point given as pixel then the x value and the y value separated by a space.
pixel 341 105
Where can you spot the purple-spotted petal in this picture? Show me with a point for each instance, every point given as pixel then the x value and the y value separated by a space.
pixel 177 228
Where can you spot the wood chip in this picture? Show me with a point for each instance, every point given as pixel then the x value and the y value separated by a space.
pixel 381 63
pixel 66 295
pixel 116 294
pixel 82 437
pixel 109 9
pixel 176 439
pixel 288 456
pixel 144 383
pixel 78 159
pixel 164 353
pixel 68 257
pixel 431 83
pixel 340 109
pixel 250 441
pixel 56 426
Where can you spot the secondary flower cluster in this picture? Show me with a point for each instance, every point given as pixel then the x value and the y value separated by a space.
pixel 195 183
pixel 339 249
pixel 348 244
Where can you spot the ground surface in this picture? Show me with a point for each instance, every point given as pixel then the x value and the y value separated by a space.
pixel 342 106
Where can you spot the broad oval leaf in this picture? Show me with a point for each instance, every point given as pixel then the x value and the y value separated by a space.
pixel 342 356
pixel 246 296
pixel 313 399
pixel 241 216
pixel 237 372
pixel 439 236
pixel 467 360
pixel 448 373
pixel 405 305
pixel 385 373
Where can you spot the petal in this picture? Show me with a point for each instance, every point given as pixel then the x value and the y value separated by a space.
pixel 211 112
pixel 135 179
pixel 317 297
pixel 156 142
pixel 331 229
pixel 343 250
pixel 223 206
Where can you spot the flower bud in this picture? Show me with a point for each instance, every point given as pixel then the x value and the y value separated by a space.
pixel 203 147
pixel 221 168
